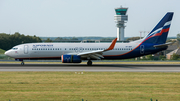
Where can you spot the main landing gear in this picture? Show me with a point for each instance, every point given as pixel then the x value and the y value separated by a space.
pixel 89 63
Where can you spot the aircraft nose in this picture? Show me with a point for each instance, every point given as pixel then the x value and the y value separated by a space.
pixel 7 53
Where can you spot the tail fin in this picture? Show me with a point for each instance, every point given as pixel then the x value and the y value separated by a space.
pixel 160 32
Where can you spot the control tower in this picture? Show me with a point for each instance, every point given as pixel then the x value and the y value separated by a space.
pixel 120 18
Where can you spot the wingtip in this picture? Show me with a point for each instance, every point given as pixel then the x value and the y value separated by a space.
pixel 111 47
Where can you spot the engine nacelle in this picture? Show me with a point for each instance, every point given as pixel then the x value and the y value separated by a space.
pixel 70 59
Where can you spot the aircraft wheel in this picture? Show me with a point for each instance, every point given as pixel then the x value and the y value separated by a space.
pixel 89 63
pixel 22 63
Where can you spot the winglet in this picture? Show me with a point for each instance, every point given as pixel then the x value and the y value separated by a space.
pixel 112 44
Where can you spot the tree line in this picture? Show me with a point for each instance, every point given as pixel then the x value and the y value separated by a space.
pixel 7 41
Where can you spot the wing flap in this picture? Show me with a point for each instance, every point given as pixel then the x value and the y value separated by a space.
pixel 90 52
pixel 95 57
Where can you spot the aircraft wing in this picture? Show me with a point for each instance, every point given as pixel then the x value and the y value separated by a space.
pixel 98 53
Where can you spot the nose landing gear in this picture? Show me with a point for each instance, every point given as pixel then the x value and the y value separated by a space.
pixel 22 63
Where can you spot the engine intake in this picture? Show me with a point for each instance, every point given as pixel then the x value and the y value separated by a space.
pixel 70 59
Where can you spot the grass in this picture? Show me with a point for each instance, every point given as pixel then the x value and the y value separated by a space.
pixel 90 86
pixel 2 51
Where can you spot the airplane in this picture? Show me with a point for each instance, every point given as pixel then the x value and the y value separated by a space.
pixel 152 43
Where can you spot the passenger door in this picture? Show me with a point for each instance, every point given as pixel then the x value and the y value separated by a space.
pixel 25 49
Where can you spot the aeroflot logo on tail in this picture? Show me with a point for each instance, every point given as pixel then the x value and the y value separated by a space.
pixel 160 31
pixel 45 45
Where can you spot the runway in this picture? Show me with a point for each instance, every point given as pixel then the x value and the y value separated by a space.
pixel 93 68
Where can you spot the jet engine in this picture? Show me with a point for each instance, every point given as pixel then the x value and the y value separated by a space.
pixel 70 59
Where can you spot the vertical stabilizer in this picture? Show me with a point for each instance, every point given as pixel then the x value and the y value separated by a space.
pixel 160 32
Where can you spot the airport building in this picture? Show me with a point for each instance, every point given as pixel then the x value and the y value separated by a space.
pixel 120 18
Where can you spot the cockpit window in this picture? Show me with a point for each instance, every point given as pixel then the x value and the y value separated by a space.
pixel 14 48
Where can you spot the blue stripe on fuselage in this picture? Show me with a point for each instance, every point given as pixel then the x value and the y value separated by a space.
pixel 148 49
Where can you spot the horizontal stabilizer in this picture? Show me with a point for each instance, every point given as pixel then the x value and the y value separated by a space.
pixel 164 45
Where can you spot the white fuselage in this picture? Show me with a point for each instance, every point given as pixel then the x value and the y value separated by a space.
pixel 55 50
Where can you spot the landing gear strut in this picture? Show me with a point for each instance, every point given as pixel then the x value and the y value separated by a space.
pixel 22 63
pixel 89 63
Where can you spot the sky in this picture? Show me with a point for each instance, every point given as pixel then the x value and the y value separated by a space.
pixel 80 18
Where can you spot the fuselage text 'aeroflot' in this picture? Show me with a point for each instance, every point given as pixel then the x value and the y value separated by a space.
pixel 154 42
